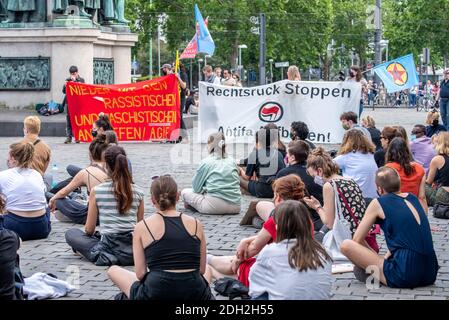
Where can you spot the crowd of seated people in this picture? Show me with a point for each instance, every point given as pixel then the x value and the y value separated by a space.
pixel 323 210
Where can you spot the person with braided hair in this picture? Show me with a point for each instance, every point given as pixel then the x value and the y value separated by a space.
pixel 216 184
pixel 118 205
pixel 23 188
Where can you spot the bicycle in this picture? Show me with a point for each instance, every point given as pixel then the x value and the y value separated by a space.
pixel 425 103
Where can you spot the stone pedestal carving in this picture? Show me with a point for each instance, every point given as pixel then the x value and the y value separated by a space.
pixel 61 48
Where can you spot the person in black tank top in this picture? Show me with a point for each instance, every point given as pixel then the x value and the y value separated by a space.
pixel 437 183
pixel 172 246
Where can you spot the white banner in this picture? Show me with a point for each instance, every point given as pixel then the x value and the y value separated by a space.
pixel 240 112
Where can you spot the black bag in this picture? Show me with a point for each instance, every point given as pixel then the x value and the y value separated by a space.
pixel 441 210
pixel 19 281
pixel 232 288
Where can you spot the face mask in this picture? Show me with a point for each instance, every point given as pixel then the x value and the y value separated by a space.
pixel 352 74
pixel 413 137
pixel 94 133
pixel 378 193
pixel 164 72
pixel 435 122
pixel 346 126
pixel 292 136
pixel 319 180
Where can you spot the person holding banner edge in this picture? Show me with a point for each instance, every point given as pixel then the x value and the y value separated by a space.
pixel 166 70
pixel 74 77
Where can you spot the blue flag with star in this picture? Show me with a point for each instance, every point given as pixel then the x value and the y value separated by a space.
pixel 398 74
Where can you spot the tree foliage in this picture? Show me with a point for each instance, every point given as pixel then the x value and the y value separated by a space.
pixel 298 31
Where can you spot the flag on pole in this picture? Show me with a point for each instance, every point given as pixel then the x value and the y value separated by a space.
pixel 192 48
pixel 204 39
pixel 398 74
pixel 177 62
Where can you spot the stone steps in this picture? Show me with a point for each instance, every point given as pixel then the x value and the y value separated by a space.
pixel 11 123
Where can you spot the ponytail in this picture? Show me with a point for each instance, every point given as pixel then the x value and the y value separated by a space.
pixel 23 153
pixel 117 164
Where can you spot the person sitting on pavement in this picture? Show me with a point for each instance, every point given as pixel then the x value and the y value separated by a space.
pixel 349 121
pixel 42 152
pixel 27 213
pixel 413 177
pixel 388 134
pixel 9 244
pixel 344 192
pixel 216 184
pixel 118 204
pixel 276 139
pixel 300 131
pixel 101 125
pixel 433 123
pixel 356 161
pixel 421 147
pixel 286 188
pixel 437 183
pixel 263 164
pixel 111 139
pixel 295 266
pixel 71 210
pixel 369 123
pixel 170 252
pixel 410 261
pixel 297 153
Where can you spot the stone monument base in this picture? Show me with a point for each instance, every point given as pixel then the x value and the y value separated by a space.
pixel 66 42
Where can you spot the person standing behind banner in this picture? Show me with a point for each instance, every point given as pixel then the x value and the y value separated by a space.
pixel 166 70
pixel 355 75
pixel 227 80
pixel 293 74
pixel 74 77
pixel 443 98
pixel 210 76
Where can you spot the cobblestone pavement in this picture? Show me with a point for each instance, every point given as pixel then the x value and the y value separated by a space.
pixel 223 232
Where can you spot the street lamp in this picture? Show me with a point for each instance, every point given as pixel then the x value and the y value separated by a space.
pixel 271 70
pixel 240 66
pixel 205 59
pixel 384 44
pixel 199 69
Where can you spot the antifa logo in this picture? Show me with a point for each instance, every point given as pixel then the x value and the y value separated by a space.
pixel 271 112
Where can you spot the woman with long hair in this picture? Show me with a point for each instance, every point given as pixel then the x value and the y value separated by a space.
pixel 387 134
pixel 437 182
pixel 342 196
pixel 263 164
pixel 293 73
pixel 67 209
pixel 289 187
pixel 23 189
pixel 295 267
pixel 412 174
pixel 118 204
pixel 355 75
pixel 356 160
pixel 169 251
pixel 216 184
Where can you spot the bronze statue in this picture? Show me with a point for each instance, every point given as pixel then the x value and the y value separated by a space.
pixel 114 10
pixel 20 10
pixel 60 6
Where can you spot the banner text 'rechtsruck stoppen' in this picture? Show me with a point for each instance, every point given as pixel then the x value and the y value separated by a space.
pixel 288 89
